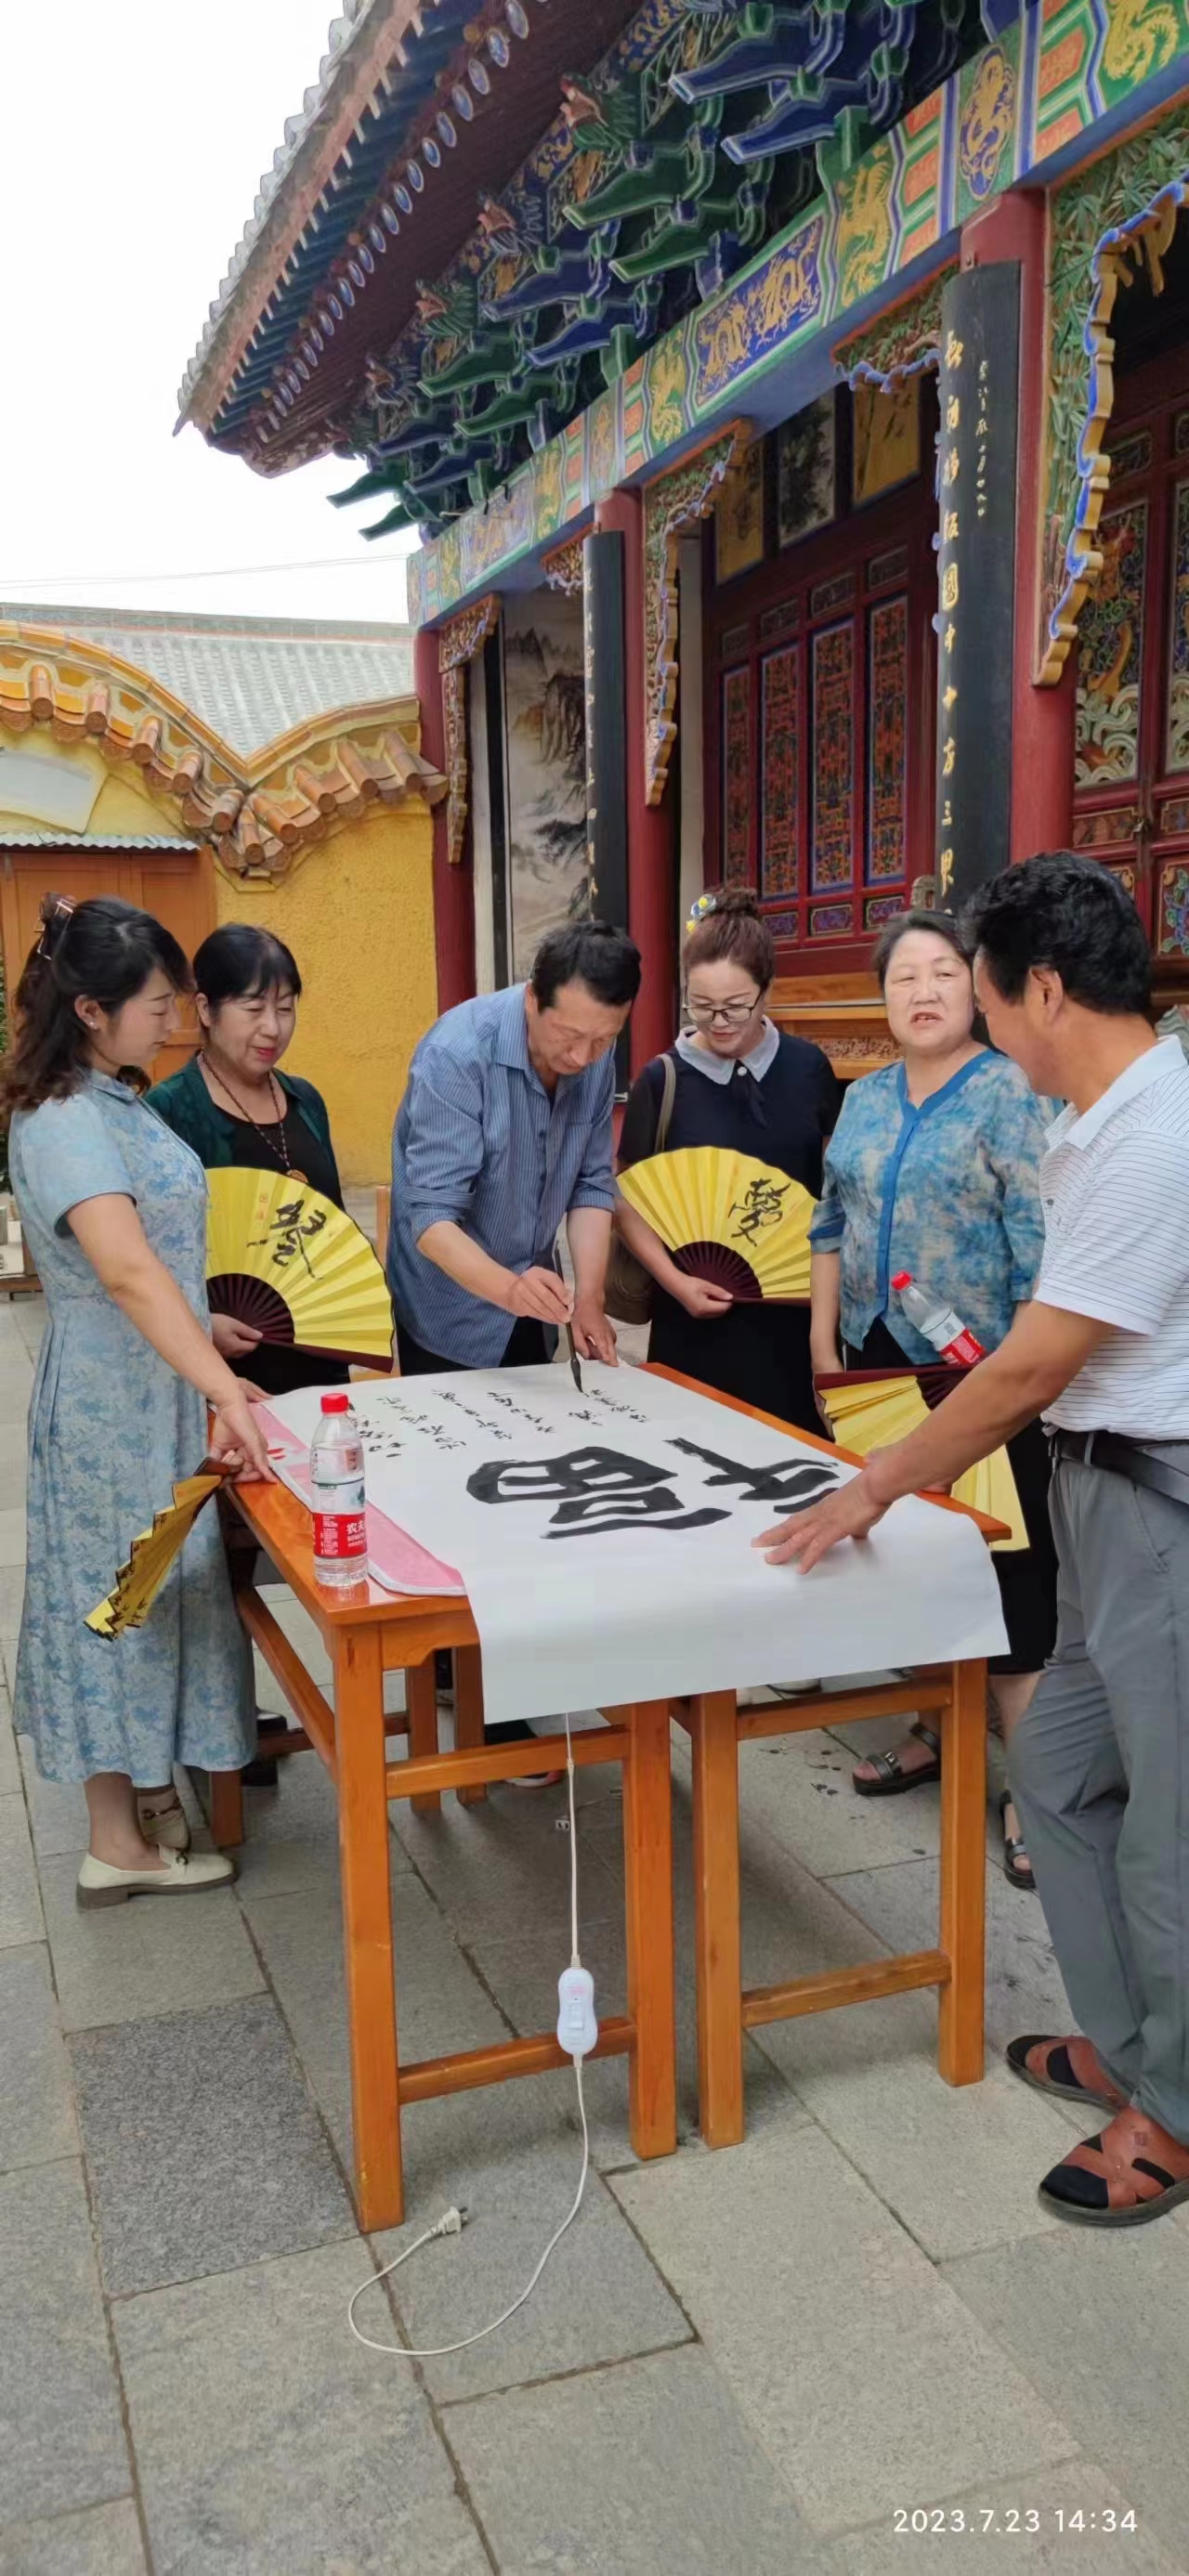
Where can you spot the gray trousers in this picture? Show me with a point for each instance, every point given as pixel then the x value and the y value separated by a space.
pixel 1099 1769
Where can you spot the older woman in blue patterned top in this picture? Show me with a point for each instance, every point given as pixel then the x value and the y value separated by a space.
pixel 933 1169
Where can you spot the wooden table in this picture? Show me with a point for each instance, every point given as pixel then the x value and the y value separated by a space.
pixel 954 1695
pixel 369 1632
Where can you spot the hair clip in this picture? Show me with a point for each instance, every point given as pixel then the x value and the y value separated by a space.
pixel 62 911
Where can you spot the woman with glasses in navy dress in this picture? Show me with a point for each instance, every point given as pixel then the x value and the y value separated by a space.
pixel 743 1084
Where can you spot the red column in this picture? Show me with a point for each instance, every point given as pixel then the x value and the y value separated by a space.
pixel 1042 719
pixel 453 888
pixel 651 885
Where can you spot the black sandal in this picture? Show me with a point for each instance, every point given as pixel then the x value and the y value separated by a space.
pixel 1014 1847
pixel 893 1779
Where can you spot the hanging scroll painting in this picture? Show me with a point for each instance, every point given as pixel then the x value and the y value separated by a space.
pixel 739 516
pixel 604 1538
pixel 805 470
pixel 887 440
pixel 544 695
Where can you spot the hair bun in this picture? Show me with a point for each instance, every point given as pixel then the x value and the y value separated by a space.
pixel 738 902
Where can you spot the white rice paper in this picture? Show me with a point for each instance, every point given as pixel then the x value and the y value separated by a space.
pixel 573 1613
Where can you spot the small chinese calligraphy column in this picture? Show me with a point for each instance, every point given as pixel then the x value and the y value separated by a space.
pixel 453 887
pixel 651 875
pixel 980 337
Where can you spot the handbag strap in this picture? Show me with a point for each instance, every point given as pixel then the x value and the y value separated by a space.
pixel 668 1096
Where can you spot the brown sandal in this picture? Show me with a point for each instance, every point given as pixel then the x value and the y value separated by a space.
pixel 1070 2067
pixel 893 1779
pixel 1133 2171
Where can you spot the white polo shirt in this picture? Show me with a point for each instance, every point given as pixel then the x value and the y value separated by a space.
pixel 1114 1184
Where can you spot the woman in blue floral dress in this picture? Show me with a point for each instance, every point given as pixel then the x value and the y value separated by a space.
pixel 114 1211
pixel 933 1168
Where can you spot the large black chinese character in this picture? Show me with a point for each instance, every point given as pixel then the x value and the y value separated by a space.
pixel 289 1236
pixel 594 1489
pixel 760 1205
pixel 788 1482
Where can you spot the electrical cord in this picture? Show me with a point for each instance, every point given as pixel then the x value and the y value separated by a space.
pixel 454 2220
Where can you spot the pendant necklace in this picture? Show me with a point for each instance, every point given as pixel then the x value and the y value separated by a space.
pixel 273 1137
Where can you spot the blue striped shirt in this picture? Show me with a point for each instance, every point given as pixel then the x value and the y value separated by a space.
pixel 479 1142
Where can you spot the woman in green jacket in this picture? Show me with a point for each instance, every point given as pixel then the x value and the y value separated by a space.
pixel 232 1104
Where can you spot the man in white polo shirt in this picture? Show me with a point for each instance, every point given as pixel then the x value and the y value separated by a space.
pixel 1100 1763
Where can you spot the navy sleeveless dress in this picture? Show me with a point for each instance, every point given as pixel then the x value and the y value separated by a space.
pixel 758 1353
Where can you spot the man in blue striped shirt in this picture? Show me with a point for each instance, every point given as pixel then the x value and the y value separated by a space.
pixel 503 1133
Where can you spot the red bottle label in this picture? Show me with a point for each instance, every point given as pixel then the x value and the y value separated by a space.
pixel 340 1534
pixel 964 1350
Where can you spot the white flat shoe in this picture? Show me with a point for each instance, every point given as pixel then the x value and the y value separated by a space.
pixel 184 1874
pixel 165 1825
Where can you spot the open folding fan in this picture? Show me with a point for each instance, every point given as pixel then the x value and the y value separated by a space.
pixel 152 1553
pixel 282 1257
pixel 727 1218
pixel 868 1410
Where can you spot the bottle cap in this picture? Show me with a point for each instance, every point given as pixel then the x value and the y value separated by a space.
pixel 903 1279
pixel 336 1403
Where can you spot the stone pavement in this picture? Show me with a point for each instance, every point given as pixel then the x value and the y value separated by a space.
pixel 743 2364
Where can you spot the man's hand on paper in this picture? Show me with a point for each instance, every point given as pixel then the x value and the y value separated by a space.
pixel 851 1511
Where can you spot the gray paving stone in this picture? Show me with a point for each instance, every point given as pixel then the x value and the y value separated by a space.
pixel 799 1788
pixel 20 1905
pixel 291 1833
pixel 269 2443
pixel 58 1810
pixel 864 2376
pixel 648 2470
pixel 1100 2323
pixel 16 1386
pixel 13 1456
pixel 958 2164
pixel 983 2529
pixel 491 1865
pixel 157 1954
pixel 511 2158
pixel 439 2000
pixel 37 2123
pixel 63 2443
pixel 1024 1987
pixel 105 2541
pixel 203 2147
pixel 10 1760
pixel 12 1534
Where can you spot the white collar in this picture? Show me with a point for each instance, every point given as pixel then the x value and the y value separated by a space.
pixel 1080 1130
pixel 720 1068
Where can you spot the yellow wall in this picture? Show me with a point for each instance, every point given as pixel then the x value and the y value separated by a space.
pixel 357 911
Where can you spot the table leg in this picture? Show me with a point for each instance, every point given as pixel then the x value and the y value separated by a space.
pixel 421 1701
pixel 468 1713
pixel 648 1867
pixel 227 1808
pixel 717 1943
pixel 367 1925
pixel 963 1874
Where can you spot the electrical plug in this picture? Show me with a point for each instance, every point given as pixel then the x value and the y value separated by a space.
pixel 452 2224
pixel 577 2028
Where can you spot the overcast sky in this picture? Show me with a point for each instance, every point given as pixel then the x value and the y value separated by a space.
pixel 132 138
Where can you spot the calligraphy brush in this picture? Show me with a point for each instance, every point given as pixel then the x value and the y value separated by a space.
pixel 575 1371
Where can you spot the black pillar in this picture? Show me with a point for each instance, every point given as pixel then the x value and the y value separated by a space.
pixel 980 341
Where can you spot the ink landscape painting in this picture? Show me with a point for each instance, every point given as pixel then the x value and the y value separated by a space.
pixel 546 771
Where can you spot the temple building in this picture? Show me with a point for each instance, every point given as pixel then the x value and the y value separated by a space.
pixel 792 401
pixel 223 769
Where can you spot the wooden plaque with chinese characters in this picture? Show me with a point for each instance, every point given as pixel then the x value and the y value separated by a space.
pixel 976 575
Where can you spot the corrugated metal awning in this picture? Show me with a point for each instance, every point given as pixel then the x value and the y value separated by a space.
pixel 93 841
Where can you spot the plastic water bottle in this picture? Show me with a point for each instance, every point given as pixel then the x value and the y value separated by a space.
pixel 951 1338
pixel 336 1475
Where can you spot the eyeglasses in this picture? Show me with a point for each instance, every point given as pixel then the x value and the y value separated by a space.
pixel 733 1015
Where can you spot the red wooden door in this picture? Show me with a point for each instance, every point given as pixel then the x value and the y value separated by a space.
pixel 1132 774
pixel 178 887
pixel 818 727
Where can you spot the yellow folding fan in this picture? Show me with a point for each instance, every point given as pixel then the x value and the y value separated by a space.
pixel 869 1412
pixel 728 1218
pixel 152 1553
pixel 282 1257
